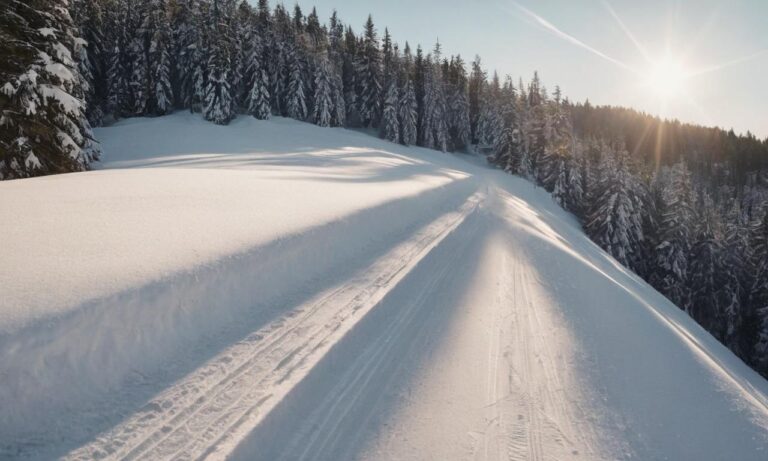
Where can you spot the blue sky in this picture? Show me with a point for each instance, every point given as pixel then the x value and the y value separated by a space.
pixel 686 36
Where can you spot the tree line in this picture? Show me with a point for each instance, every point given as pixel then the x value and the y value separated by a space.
pixel 681 205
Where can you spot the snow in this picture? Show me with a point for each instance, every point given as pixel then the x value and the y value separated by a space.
pixel 60 71
pixel 69 103
pixel 8 89
pixel 31 161
pixel 47 31
pixel 276 290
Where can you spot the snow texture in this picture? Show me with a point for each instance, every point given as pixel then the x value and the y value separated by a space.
pixel 276 290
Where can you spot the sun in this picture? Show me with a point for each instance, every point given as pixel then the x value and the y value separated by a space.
pixel 666 77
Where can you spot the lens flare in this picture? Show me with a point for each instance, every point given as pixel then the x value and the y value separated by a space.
pixel 667 77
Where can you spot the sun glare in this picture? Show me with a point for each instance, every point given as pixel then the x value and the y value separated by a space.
pixel 666 77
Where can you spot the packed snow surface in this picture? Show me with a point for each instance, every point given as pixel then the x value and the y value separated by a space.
pixel 274 290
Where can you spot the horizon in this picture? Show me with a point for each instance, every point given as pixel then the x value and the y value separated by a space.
pixel 663 74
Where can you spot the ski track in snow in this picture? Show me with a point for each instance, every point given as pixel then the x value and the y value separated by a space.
pixel 485 328
pixel 211 410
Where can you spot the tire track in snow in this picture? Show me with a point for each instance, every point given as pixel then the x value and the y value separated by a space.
pixel 207 413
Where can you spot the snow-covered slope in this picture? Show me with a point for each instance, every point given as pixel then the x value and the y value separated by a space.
pixel 275 290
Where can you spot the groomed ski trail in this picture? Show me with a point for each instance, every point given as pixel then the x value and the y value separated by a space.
pixel 210 411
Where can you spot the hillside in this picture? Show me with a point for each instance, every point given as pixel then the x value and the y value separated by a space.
pixel 276 290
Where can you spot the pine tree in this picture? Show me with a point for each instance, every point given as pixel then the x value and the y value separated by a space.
pixel 186 51
pixel 533 123
pixel 158 29
pixel 339 115
pixel 368 77
pixel 43 128
pixel 349 76
pixel 408 114
pixel 433 126
pixel 390 125
pixel 279 58
pixel 615 222
pixel 671 253
pixel 427 108
pixel 735 264
pixel 257 82
pixel 219 103
pixel 707 277
pixel 477 98
pixel 245 38
pixel 458 106
pixel 139 79
pixel 573 198
pixel 759 290
pixel 323 100
pixel 506 139
pixel 558 141
pixel 560 181
pixel 439 118
pixel 296 102
pixel 90 52
pixel 119 98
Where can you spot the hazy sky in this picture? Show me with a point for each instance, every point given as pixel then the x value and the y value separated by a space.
pixel 581 46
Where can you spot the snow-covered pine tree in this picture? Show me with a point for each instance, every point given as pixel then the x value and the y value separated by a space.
pixel 533 123
pixel 408 114
pixel 278 54
pixel 674 235
pixel 349 76
pixel 559 179
pixel 476 87
pixel 339 114
pixel 506 147
pixel 573 199
pixel 43 128
pixel 185 40
pixel 735 263
pixel 420 67
pixel 440 107
pixel 758 297
pixel 706 275
pixel 322 112
pixel 257 83
pixel 296 100
pixel 139 80
pixel 459 130
pixel 158 29
pixel 558 141
pixel 336 56
pixel 427 107
pixel 336 45
pixel 389 128
pixel 368 77
pixel 91 55
pixel 433 128
pixel 219 103
pixel 489 122
pixel 390 124
pixel 615 221
pixel 245 37
pixel 119 99
pixel 263 17
pixel 407 109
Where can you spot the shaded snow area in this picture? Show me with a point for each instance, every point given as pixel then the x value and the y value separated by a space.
pixel 272 290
